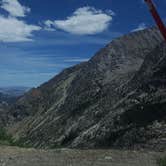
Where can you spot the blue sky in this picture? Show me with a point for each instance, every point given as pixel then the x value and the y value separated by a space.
pixel 38 39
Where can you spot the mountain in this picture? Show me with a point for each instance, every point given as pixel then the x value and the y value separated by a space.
pixel 116 99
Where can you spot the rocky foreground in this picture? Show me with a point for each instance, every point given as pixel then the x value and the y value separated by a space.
pixel 12 156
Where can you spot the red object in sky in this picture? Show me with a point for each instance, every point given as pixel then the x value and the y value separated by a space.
pixel 156 17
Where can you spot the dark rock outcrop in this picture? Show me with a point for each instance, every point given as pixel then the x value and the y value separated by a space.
pixel 117 99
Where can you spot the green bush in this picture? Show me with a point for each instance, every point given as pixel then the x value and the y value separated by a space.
pixel 162 162
pixel 7 139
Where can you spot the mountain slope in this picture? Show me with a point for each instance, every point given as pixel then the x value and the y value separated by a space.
pixel 103 102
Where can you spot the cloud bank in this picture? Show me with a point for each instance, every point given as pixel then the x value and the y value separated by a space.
pixel 12 29
pixel 84 21
pixel 14 8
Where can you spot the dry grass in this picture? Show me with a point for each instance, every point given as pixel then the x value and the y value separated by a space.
pixel 13 156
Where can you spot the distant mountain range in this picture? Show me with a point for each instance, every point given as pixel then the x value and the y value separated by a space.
pixel 10 94
pixel 14 91
pixel 7 99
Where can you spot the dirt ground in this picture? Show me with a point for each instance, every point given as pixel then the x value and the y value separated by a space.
pixel 13 156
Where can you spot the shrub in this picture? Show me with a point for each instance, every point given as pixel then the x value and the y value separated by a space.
pixel 162 162
pixel 7 139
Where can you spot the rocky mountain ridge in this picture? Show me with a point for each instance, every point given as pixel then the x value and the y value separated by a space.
pixel 116 99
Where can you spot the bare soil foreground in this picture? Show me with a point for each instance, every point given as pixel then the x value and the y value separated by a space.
pixel 13 156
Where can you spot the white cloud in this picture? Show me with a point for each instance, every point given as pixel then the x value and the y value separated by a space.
pixel 14 30
pixel 84 21
pixel 140 27
pixel 48 26
pixel 14 8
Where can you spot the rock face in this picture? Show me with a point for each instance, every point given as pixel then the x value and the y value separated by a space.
pixel 116 99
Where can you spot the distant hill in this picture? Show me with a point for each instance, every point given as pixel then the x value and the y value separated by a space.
pixel 14 91
pixel 4 98
pixel 116 99
pixel 8 96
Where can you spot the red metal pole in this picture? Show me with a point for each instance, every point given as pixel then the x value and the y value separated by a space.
pixel 156 17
